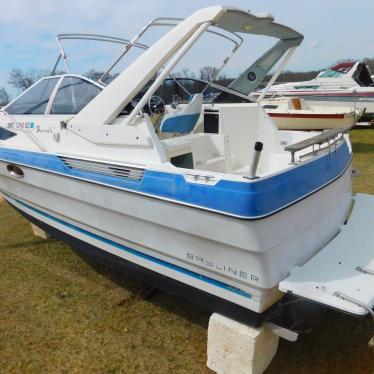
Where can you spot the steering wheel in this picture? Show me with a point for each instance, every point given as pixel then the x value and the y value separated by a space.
pixel 156 105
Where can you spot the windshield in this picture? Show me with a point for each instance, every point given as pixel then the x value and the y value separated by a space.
pixel 181 89
pixel 35 99
pixel 331 74
pixel 73 94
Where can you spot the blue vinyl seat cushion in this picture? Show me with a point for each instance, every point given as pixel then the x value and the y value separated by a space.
pixel 184 120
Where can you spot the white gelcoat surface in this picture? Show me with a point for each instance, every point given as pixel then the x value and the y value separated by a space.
pixel 334 268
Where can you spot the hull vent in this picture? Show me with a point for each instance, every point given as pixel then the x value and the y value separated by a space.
pixel 119 171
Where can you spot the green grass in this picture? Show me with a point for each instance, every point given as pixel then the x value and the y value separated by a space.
pixel 58 314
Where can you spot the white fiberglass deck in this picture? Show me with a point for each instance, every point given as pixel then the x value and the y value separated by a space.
pixel 342 274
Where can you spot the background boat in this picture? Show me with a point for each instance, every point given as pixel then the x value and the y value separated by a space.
pixel 294 113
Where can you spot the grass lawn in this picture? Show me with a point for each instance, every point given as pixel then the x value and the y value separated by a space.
pixel 57 314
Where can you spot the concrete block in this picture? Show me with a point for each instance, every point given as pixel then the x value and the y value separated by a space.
pixel 234 347
pixel 39 232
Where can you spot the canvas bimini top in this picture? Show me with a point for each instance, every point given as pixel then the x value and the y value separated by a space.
pixel 168 51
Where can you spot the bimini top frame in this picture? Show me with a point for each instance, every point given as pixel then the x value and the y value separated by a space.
pixel 171 22
pixel 91 37
pixel 166 53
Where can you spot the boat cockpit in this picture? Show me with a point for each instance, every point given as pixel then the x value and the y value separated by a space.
pixel 184 114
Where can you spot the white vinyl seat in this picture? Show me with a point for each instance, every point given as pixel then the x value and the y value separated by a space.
pixel 183 120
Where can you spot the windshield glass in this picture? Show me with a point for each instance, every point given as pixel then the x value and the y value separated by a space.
pixel 34 100
pixel 73 95
pixel 181 90
pixel 331 74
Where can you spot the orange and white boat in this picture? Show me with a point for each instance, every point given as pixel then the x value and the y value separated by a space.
pixel 294 113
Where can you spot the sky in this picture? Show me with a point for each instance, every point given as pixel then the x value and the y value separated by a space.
pixel 333 29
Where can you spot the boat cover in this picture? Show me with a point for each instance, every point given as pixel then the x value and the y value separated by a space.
pixel 341 275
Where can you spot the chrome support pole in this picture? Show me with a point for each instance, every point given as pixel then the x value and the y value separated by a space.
pixel 168 68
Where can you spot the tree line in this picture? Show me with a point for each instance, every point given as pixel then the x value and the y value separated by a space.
pixel 23 79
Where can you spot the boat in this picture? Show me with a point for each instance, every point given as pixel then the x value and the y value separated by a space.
pixel 220 216
pixel 346 85
pixel 294 113
pixel 339 77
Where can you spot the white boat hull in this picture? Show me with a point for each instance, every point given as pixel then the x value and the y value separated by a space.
pixel 365 104
pixel 292 120
pixel 360 101
pixel 238 260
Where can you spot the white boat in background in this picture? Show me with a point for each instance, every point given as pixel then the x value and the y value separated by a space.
pixel 294 113
pixel 221 216
pixel 345 85
pixel 339 77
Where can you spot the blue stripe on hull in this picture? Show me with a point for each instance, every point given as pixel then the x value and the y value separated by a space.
pixel 136 253
pixel 240 199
